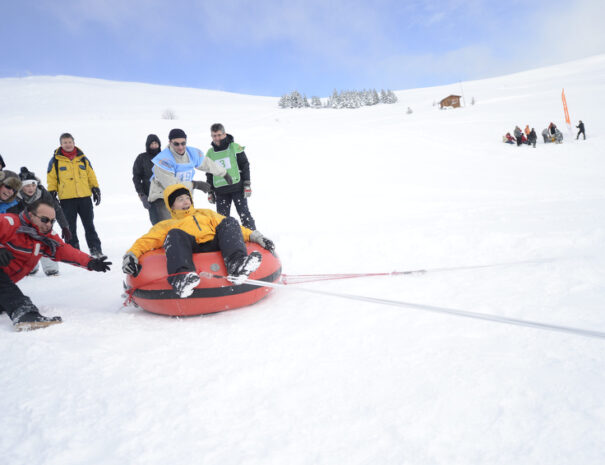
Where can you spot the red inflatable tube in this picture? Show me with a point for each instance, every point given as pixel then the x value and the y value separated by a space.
pixel 150 289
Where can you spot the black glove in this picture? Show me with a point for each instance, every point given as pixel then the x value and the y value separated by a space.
pixel 54 194
pixel 145 200
pixel 96 195
pixel 201 186
pixel 5 256
pixel 228 178
pixel 247 189
pixel 66 234
pixel 211 198
pixel 131 265
pixel 99 264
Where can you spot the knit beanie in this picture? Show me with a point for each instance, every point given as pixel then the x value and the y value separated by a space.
pixel 177 134
pixel 182 191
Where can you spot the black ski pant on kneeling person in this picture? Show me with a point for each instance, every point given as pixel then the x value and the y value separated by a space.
pixel 13 301
pixel 180 246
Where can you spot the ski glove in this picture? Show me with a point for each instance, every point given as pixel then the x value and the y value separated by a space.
pixel 211 198
pixel 99 264
pixel 201 186
pixel 131 265
pixel 145 200
pixel 261 240
pixel 66 234
pixel 5 257
pixel 247 189
pixel 96 195
pixel 228 178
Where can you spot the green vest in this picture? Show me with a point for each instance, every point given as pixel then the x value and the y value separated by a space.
pixel 228 160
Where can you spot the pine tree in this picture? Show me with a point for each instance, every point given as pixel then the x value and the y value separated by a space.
pixel 283 101
pixel 315 102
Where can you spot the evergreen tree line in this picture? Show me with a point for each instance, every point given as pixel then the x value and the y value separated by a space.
pixel 343 99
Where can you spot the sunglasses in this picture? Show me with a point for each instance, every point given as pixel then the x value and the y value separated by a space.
pixel 177 144
pixel 45 219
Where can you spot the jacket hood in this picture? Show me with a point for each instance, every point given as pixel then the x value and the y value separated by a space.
pixel 177 214
pixel 10 179
pixel 153 138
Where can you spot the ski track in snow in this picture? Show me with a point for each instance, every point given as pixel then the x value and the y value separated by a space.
pixel 300 378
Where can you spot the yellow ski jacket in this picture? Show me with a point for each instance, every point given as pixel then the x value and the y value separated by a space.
pixel 200 223
pixel 71 178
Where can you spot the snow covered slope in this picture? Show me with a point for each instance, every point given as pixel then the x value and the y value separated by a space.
pixel 301 378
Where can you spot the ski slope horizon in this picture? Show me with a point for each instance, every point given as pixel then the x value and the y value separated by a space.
pixel 301 378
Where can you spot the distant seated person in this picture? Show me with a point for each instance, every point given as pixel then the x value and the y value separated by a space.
pixel 524 139
pixel 508 139
pixel 194 231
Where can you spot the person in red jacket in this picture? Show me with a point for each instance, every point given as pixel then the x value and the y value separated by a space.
pixel 24 239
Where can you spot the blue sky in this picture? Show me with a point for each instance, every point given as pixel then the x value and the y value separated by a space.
pixel 270 48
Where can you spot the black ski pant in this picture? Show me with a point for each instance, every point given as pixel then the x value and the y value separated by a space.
pixel 81 206
pixel 581 131
pixel 180 246
pixel 223 207
pixel 13 301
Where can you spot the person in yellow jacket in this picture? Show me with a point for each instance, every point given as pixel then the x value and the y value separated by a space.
pixel 190 231
pixel 71 179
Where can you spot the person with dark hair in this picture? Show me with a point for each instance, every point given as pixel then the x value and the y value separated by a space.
pixel 31 191
pixel 9 187
pixel 72 180
pixel 231 155
pixel 177 164
pixel 194 231
pixel 532 138
pixel 580 126
pixel 2 164
pixel 142 170
pixel 24 239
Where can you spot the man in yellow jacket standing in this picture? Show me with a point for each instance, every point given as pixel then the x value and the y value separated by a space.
pixel 71 179
pixel 192 231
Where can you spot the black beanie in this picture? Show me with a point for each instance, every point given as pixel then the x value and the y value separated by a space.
pixel 26 175
pixel 172 197
pixel 177 134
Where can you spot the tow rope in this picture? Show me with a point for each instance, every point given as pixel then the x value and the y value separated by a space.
pixel 432 308
pixel 299 279
pixel 311 278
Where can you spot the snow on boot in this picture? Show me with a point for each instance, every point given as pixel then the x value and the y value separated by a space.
pixel 184 284
pixel 240 269
pixel 33 320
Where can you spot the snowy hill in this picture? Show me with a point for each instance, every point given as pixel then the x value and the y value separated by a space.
pixel 302 378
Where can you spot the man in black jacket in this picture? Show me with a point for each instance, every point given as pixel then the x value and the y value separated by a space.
pixel 231 155
pixel 142 172
pixel 580 126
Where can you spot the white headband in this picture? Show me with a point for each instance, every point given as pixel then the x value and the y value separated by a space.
pixel 29 181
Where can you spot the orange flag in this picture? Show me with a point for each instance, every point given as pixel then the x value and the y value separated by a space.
pixel 567 120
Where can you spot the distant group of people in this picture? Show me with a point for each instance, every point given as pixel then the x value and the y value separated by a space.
pixel 551 134
pixel 163 180
pixel 521 137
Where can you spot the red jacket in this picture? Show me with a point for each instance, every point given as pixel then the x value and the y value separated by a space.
pixel 28 251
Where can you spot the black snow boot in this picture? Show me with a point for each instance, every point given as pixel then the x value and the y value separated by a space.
pixel 240 268
pixel 184 284
pixel 33 320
